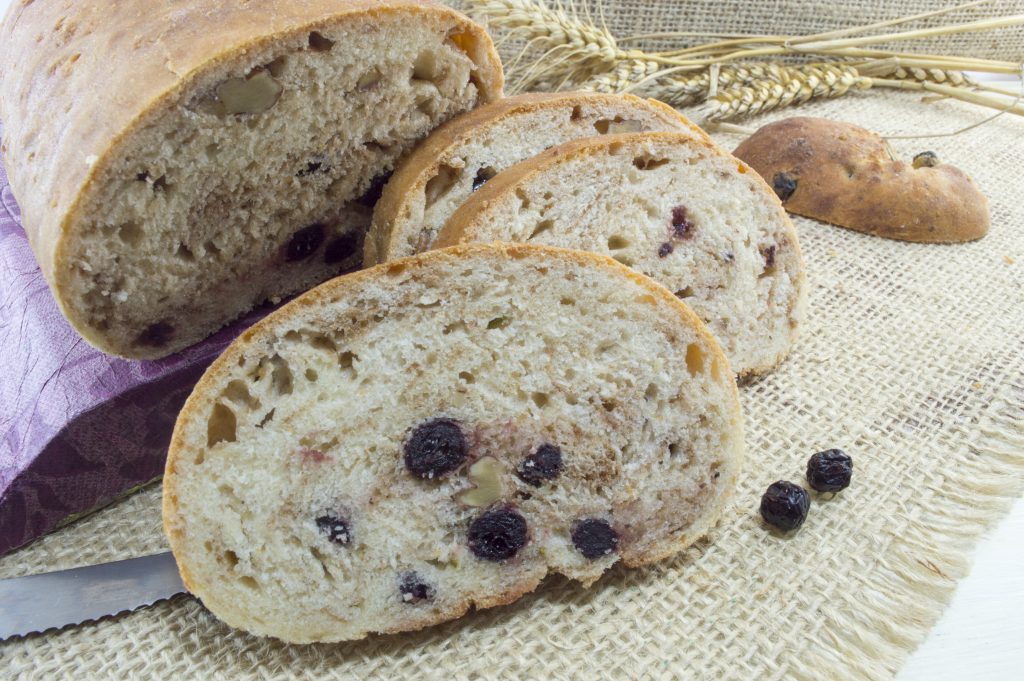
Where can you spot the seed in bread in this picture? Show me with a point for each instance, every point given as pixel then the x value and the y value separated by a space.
pixel 460 156
pixel 178 163
pixel 841 173
pixel 673 207
pixel 381 454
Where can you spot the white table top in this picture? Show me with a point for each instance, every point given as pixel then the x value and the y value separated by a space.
pixel 981 633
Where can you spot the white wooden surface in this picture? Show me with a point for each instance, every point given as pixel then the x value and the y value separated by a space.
pixel 981 635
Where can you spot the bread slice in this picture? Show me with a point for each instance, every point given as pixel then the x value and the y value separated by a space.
pixel 460 156
pixel 441 432
pixel 673 207
pixel 178 163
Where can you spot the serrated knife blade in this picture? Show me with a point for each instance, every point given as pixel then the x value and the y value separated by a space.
pixel 37 603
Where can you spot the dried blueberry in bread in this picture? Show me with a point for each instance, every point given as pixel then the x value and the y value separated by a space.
pixel 379 456
pixel 179 163
pixel 461 156
pixel 672 206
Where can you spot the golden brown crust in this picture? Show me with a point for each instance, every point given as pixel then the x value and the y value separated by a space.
pixel 424 162
pixel 59 135
pixel 200 400
pixel 846 175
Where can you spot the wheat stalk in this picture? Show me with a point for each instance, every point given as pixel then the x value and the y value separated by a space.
pixel 787 87
pixel 730 75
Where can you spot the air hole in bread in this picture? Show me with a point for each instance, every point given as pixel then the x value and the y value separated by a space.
pixel 321 342
pixel 467 377
pixel 311 375
pixel 210 248
pixel 651 392
pixel 617 126
pixel 617 242
pixel 577 113
pixel 347 361
pixel 425 66
pixel 453 327
pixel 540 399
pixel 318 43
pixel 685 293
pixel 499 323
pixel 369 80
pixel 673 449
pixel 249 583
pixel 230 559
pixel 524 200
pixel 565 300
pixel 542 226
pixel 320 558
pixel 130 233
pixel 267 418
pixel 441 183
pixel 624 259
pixel 280 375
pixel 609 405
pixel 649 163
pixel 236 391
pixel 695 359
pixel 185 253
pixel 278 66
pixel 221 425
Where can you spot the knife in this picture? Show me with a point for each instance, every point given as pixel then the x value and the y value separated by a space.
pixel 37 603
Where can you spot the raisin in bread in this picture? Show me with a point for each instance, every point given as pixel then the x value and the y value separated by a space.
pixel 673 207
pixel 441 432
pixel 460 156
pixel 178 163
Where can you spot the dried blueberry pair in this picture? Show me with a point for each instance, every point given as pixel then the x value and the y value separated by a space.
pixel 785 504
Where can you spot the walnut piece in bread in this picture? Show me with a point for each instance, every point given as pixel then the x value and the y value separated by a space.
pixel 442 431
pixel 179 163
pixel 843 174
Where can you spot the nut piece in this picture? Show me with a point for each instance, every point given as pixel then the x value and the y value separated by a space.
pixel 486 475
pixel 252 95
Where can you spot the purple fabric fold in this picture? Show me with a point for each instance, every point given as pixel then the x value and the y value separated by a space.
pixel 78 429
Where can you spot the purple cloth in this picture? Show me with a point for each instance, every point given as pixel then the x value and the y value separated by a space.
pixel 78 429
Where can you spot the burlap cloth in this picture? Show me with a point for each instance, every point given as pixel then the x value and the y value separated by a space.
pixel 911 360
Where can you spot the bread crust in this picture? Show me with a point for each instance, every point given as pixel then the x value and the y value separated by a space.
pixel 456 229
pixel 204 394
pixel 847 176
pixel 425 161
pixel 60 133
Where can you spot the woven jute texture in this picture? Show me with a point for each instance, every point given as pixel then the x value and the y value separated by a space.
pixel 802 17
pixel 910 360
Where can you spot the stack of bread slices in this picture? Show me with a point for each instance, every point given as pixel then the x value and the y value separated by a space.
pixel 535 371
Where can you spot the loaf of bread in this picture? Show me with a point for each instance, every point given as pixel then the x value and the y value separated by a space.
pixel 671 206
pixel 440 432
pixel 178 163
pixel 459 157
pixel 841 173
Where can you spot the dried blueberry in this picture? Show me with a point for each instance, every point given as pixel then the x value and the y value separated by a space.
pixel 785 505
pixel 413 588
pixel 594 538
pixel 926 159
pixel 435 448
pixel 311 168
pixel 482 176
pixel 768 253
pixel 543 464
pixel 784 185
pixel 305 242
pixel 335 528
pixel 829 471
pixel 682 225
pixel 376 188
pixel 341 248
pixel 155 335
pixel 498 534
pixel 665 249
